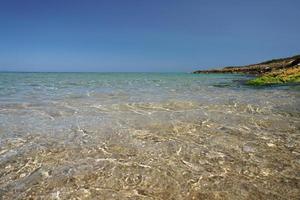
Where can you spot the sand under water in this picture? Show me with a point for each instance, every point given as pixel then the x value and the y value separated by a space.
pixel 147 136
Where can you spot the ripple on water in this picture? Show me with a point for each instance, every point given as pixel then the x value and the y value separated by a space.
pixel 137 136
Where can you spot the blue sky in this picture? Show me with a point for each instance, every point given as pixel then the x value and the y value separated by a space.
pixel 144 35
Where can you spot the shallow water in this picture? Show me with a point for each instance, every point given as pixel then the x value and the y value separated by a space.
pixel 147 136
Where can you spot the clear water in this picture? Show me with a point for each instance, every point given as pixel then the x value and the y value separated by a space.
pixel 147 136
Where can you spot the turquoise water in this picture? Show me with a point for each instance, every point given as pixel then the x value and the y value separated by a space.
pixel 147 136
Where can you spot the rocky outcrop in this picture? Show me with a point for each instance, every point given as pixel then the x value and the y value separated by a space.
pixel 258 69
pixel 287 75
pixel 283 70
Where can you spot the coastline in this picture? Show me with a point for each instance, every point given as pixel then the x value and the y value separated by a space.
pixel 276 71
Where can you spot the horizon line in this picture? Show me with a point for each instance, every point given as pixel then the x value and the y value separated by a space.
pixel 93 72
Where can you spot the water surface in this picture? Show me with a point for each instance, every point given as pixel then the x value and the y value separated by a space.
pixel 147 136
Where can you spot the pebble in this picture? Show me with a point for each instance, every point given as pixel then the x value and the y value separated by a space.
pixel 248 149
pixel 271 145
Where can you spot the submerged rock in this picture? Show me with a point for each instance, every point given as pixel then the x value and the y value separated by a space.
pixel 248 149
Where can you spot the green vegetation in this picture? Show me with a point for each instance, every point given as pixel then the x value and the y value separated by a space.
pixel 276 71
pixel 291 75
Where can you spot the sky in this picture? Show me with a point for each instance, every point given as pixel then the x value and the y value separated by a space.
pixel 144 35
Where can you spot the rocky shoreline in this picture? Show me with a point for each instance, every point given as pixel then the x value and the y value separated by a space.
pixel 283 70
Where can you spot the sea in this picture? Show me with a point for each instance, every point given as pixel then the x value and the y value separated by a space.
pixel 147 136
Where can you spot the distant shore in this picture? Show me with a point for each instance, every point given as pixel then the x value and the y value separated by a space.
pixel 276 71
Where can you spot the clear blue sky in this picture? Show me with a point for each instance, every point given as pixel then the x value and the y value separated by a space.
pixel 144 35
